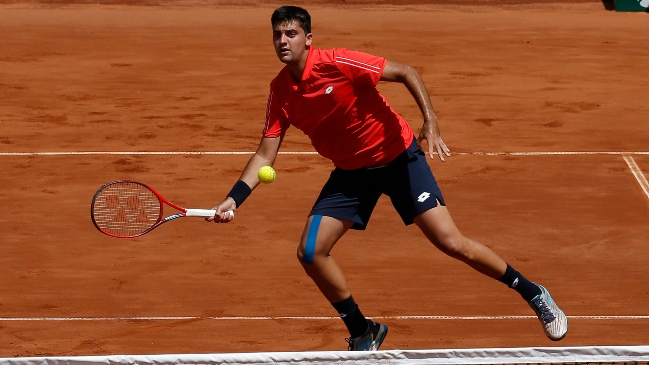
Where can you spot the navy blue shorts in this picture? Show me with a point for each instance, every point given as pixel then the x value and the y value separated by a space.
pixel 407 180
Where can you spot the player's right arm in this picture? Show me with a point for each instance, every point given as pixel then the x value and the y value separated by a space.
pixel 249 179
pixel 264 156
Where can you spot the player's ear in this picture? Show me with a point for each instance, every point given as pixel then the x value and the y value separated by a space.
pixel 309 39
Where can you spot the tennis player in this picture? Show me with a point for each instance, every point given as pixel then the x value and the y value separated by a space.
pixel 331 96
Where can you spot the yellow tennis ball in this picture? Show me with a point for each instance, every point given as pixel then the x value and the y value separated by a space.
pixel 266 174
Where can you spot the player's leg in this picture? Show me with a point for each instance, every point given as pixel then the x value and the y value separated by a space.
pixel 345 202
pixel 318 238
pixel 417 198
pixel 438 226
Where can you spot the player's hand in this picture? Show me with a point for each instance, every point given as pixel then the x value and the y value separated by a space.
pixel 430 133
pixel 224 211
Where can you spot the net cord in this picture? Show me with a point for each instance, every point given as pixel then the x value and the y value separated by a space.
pixel 529 355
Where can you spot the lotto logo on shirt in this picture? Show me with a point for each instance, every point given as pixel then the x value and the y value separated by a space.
pixel 329 90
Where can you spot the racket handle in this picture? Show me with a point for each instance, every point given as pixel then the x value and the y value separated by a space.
pixel 202 213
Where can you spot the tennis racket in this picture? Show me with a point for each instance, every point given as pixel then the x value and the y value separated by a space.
pixel 127 209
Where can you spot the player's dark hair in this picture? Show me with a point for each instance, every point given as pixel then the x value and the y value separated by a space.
pixel 289 13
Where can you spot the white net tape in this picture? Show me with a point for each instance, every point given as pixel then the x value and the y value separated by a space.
pixel 538 355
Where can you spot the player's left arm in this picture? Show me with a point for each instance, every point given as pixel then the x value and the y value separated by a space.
pixel 407 75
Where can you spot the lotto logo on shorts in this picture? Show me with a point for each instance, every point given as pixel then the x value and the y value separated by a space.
pixel 422 198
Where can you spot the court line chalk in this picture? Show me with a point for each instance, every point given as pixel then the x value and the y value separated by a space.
pixel 274 318
pixel 642 180
pixel 234 153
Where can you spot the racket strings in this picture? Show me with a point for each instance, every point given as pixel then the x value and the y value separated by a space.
pixel 126 209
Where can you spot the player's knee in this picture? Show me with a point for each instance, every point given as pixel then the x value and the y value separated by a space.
pixel 303 257
pixel 306 253
pixel 456 247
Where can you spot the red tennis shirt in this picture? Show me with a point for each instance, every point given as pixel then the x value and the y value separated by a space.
pixel 338 106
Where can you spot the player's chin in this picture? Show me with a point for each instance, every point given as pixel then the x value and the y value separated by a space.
pixel 284 58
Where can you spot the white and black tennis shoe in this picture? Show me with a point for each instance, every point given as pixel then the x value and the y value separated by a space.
pixel 554 321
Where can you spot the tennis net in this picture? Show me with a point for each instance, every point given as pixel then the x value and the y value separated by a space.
pixel 636 355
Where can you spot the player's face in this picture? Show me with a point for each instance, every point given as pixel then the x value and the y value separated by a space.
pixel 290 42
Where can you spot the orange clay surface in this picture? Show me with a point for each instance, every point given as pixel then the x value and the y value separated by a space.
pixel 193 76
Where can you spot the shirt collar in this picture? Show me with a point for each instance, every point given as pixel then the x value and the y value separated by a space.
pixel 308 66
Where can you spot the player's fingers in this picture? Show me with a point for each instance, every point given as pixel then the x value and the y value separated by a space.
pixel 445 148
pixel 438 147
pixel 220 215
pixel 431 148
pixel 211 219
pixel 224 216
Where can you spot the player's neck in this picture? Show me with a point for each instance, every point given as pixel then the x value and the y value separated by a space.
pixel 297 69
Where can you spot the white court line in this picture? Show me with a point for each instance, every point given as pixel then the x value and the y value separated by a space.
pixel 564 153
pixel 642 180
pixel 94 153
pixel 273 318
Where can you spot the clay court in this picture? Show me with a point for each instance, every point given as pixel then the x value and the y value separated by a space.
pixel 539 101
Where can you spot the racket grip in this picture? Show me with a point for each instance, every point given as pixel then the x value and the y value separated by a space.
pixel 202 213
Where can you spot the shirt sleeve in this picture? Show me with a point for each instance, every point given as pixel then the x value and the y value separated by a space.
pixel 361 68
pixel 276 121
